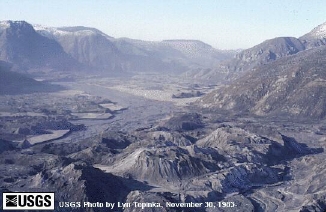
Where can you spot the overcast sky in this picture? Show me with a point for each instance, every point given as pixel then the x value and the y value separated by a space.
pixel 224 24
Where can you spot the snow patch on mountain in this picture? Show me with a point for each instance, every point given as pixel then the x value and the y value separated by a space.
pixel 49 32
pixel 4 24
pixel 53 32
pixel 319 31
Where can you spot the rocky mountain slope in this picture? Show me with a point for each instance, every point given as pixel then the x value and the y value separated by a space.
pixel 94 48
pixel 193 53
pixel 263 53
pixel 22 46
pixel 316 37
pixel 36 48
pixel 246 60
pixel 293 85
pixel 88 46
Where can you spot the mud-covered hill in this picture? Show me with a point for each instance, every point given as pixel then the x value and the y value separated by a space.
pixel 17 83
pixel 221 162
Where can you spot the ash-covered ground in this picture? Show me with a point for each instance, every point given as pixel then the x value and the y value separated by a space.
pixel 131 140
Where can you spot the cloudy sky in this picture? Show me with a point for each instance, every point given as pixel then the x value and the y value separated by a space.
pixel 224 24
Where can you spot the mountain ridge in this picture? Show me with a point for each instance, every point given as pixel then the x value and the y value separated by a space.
pixel 283 86
pixel 89 49
pixel 123 53
pixel 244 61
pixel 316 37
pixel 21 45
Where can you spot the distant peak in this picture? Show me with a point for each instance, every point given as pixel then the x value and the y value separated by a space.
pixel 319 31
pixel 9 23
pixel 195 43
pixel 4 24
pixel 183 40
pixel 15 25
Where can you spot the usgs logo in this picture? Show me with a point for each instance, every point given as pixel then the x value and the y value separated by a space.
pixel 28 201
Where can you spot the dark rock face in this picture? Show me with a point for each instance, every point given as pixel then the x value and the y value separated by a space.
pixel 115 140
pixel 186 122
pixel 6 145
pixel 295 148
pixel 187 95
pixel 284 86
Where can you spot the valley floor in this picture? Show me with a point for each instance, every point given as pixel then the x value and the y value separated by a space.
pixel 131 140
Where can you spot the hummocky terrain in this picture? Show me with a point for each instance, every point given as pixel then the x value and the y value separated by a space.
pixel 101 119
pixel 17 83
